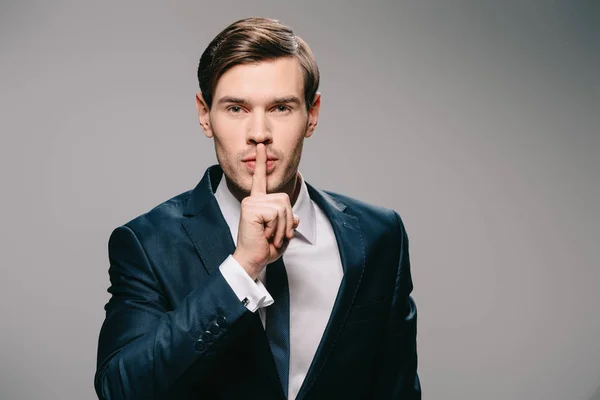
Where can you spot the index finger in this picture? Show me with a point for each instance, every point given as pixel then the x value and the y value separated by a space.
pixel 259 179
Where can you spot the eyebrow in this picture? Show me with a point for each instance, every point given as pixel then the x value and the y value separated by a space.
pixel 277 100
pixel 230 99
pixel 287 100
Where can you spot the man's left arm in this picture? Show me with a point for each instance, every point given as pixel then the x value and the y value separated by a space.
pixel 396 370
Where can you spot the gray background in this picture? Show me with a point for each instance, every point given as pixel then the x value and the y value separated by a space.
pixel 476 121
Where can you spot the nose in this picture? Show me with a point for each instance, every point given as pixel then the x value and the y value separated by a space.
pixel 258 130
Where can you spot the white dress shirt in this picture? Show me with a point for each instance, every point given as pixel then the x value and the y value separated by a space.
pixel 314 271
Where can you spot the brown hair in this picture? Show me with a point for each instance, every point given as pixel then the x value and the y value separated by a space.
pixel 252 40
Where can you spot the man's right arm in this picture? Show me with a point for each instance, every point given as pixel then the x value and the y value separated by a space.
pixel 144 347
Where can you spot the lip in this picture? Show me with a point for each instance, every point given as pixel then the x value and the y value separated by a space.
pixel 251 163
pixel 253 158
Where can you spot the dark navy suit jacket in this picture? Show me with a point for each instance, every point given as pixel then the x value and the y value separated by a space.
pixel 174 328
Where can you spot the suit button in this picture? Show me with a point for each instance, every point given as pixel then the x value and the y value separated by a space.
pixel 207 336
pixel 200 345
pixel 214 328
pixel 221 320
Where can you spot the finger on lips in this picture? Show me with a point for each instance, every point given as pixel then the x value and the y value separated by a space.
pixel 259 178
pixel 275 229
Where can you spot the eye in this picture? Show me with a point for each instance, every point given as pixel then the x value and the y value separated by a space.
pixel 282 108
pixel 234 109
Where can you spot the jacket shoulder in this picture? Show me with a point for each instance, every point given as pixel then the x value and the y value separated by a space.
pixel 363 207
pixel 379 217
pixel 163 217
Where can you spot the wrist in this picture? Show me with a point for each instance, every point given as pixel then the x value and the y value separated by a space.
pixel 251 270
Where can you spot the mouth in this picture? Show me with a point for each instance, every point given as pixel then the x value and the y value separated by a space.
pixel 250 165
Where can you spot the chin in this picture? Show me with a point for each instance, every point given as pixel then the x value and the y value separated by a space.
pixel 242 180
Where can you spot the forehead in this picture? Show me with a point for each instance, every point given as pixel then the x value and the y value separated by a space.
pixel 262 80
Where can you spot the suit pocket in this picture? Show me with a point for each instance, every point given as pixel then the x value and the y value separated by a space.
pixel 369 311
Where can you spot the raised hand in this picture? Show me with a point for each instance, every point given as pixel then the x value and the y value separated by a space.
pixel 266 222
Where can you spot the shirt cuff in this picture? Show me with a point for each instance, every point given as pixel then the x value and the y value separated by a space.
pixel 253 294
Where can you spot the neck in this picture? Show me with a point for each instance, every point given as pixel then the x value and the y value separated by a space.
pixel 292 189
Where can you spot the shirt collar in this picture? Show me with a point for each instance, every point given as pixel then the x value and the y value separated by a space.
pixel 303 208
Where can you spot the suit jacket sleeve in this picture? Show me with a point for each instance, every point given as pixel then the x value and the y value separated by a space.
pixel 396 374
pixel 145 348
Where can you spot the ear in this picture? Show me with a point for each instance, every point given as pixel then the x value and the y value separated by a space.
pixel 313 115
pixel 203 115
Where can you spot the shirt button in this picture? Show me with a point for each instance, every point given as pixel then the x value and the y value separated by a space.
pixel 200 345
pixel 221 320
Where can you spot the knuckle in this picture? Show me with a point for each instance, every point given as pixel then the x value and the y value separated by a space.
pixel 285 198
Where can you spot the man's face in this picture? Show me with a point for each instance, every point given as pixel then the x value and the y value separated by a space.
pixel 259 103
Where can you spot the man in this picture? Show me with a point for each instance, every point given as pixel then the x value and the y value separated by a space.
pixel 255 284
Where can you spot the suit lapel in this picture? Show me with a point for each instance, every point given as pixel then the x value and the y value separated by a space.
pixel 350 243
pixel 206 225
pixel 210 234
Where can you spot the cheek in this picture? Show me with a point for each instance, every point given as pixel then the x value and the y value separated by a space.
pixel 223 130
pixel 228 139
pixel 289 134
pixel 225 125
